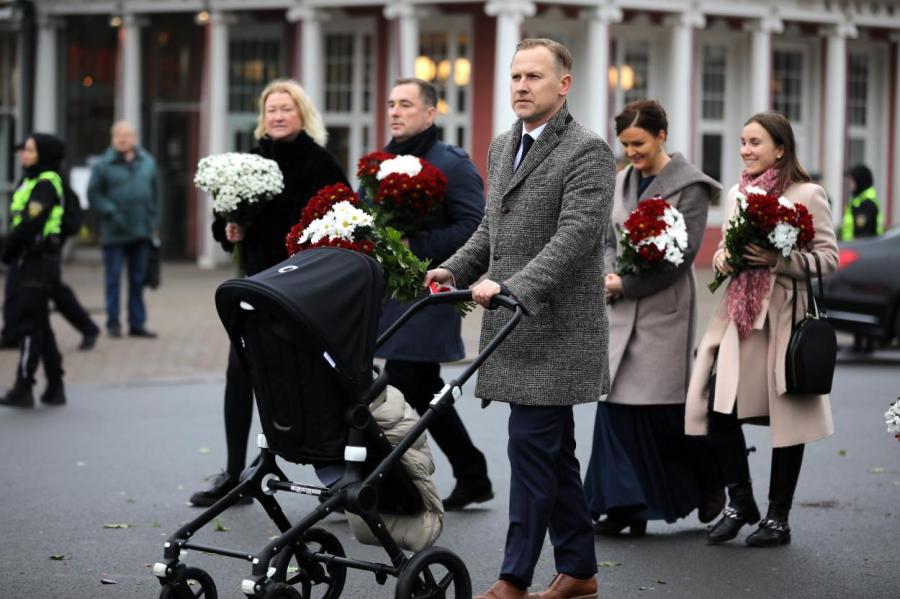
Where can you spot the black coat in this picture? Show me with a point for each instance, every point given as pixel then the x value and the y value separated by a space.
pixel 307 167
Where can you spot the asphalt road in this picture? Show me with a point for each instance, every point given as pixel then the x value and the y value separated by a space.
pixel 132 454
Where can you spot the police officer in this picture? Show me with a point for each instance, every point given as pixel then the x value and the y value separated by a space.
pixel 862 215
pixel 33 245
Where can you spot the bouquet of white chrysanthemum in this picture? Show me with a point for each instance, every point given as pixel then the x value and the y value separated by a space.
pixel 238 184
pixel 892 419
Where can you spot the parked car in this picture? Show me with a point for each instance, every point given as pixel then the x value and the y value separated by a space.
pixel 863 295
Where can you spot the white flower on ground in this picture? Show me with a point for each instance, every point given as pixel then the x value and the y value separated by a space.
pixel 783 237
pixel 404 165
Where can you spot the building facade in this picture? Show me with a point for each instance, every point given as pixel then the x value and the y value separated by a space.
pixel 188 72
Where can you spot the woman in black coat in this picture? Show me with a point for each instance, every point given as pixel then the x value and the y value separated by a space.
pixel 290 132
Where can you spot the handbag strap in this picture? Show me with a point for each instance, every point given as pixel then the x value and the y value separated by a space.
pixel 820 306
pixel 812 308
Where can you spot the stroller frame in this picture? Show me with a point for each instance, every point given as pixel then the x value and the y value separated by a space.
pixel 356 493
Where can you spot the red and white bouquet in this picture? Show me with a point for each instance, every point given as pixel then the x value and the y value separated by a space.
pixel 767 220
pixel 654 235
pixel 892 419
pixel 334 217
pixel 403 189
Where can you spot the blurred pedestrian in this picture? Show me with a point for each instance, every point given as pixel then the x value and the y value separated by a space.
pixel 862 214
pixel 643 467
pixel 541 240
pixel 290 132
pixel 739 377
pixel 413 355
pixel 33 246
pixel 124 190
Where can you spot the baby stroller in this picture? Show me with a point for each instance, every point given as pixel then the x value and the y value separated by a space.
pixel 305 330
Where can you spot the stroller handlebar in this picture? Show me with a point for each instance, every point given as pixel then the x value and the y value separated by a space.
pixel 465 295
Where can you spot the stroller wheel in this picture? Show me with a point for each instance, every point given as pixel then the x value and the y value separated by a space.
pixel 188 584
pixel 315 579
pixel 435 573
pixel 280 590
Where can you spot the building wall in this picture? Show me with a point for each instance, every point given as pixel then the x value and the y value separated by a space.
pixel 831 64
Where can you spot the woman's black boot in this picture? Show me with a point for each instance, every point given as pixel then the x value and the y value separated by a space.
pixel 741 510
pixel 774 530
pixel 611 526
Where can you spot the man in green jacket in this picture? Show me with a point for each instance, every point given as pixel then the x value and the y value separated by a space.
pixel 124 192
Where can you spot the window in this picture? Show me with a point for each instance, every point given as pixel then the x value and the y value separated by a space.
pixel 713 82
pixel 857 89
pixel 252 63
pixel 8 116
pixel 787 87
pixel 711 162
pixel 637 59
pixel 349 71
pixel 445 60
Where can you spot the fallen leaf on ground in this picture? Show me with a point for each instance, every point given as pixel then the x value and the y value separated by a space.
pixel 204 450
pixel 877 470
pixel 219 527
pixel 609 564
pixel 116 525
pixel 58 557
pixel 842 452
pixel 107 581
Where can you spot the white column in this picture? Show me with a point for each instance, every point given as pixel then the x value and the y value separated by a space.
pixel 312 50
pixel 895 203
pixel 596 65
pixel 510 14
pixel 406 20
pixel 46 102
pixel 130 79
pixel 217 128
pixel 681 68
pixel 835 135
pixel 761 62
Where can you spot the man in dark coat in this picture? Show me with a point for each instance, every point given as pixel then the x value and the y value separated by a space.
pixel 433 336
pixel 550 184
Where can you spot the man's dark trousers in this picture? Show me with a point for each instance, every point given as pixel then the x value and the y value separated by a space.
pixel 545 493
pixel 418 382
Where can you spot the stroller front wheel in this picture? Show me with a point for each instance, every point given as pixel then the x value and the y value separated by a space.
pixel 434 573
pixel 189 583
pixel 316 580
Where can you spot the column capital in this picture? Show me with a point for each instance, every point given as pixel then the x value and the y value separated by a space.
pixel 843 29
pixel 768 24
pixel 49 21
pixel 221 17
pixel 691 19
pixel 510 8
pixel 606 13
pixel 404 9
pixel 132 19
pixel 304 11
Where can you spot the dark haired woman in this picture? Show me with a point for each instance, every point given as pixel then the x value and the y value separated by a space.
pixel 745 342
pixel 642 466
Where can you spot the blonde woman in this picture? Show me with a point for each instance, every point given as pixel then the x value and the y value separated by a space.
pixel 290 132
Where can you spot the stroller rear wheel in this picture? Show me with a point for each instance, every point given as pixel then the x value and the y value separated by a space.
pixel 315 579
pixel 189 583
pixel 435 573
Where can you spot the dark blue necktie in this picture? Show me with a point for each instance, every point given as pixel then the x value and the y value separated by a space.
pixel 527 142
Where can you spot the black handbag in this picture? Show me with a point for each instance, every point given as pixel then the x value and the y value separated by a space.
pixel 152 278
pixel 812 348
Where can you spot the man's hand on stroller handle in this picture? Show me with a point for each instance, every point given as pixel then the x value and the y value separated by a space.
pixel 441 276
pixel 484 291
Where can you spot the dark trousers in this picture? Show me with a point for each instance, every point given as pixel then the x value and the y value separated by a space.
pixel 545 494
pixel 238 413
pixel 137 256
pixel 62 296
pixel 419 381
pixel 38 277
pixel 727 438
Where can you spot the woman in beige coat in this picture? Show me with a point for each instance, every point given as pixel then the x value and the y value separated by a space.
pixel 739 373
pixel 642 466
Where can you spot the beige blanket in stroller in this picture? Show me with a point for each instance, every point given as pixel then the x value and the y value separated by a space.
pixel 410 531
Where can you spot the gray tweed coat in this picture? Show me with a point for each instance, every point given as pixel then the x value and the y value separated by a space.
pixel 542 236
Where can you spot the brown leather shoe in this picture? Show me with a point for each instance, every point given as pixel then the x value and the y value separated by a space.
pixel 567 587
pixel 502 590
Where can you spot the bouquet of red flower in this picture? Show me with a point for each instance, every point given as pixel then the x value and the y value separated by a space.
pixel 403 189
pixel 654 235
pixel 768 221
pixel 334 218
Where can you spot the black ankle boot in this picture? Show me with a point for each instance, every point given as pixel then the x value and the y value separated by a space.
pixel 54 394
pixel 20 396
pixel 741 510
pixel 773 530
pixel 613 525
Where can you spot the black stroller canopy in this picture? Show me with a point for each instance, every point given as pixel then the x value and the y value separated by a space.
pixel 330 296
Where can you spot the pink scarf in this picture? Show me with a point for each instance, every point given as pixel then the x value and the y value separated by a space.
pixel 750 287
